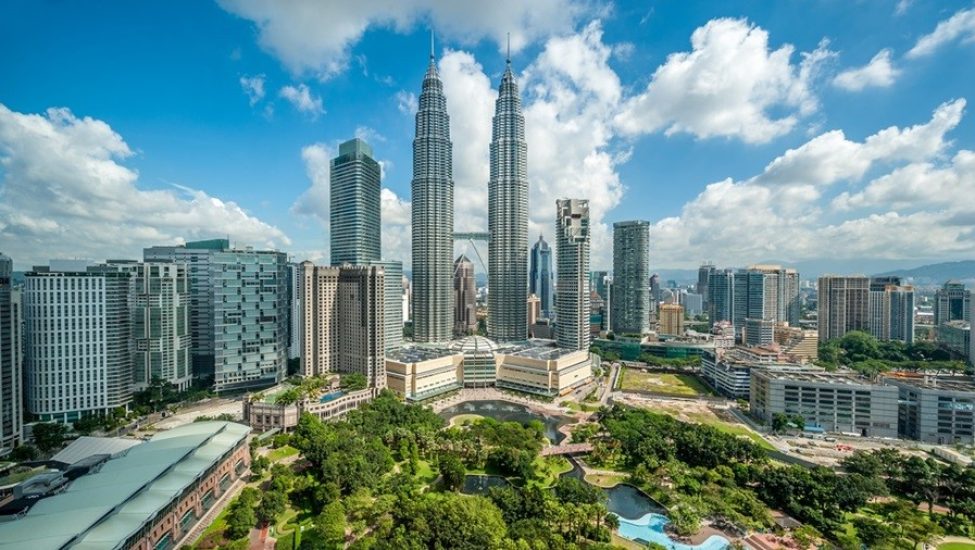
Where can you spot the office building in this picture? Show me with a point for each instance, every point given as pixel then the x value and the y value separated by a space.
pixel 758 332
pixel 671 319
pixel 935 409
pixel 703 277
pixel 343 319
pixel 432 197
pixel 572 299
pixel 892 313
pixel 354 205
pixel 196 256
pixel 631 275
pixel 250 318
pixel 952 302
pixel 465 297
pixel 956 336
pixel 693 303
pixel 656 291
pixel 77 334
pixel 721 296
pixel 508 216
pixel 11 359
pixel 598 282
pixel 797 344
pixel 729 371
pixel 541 281
pixel 781 293
pixel 843 306
pixel 150 497
pixel 393 298
pixel 830 402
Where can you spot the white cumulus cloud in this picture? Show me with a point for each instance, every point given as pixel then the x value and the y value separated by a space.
pixel 310 36
pixel 728 85
pixel 960 26
pixel 66 193
pixel 879 72
pixel 253 86
pixel 303 99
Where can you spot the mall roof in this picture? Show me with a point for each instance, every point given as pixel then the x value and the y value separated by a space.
pixel 86 446
pixel 104 509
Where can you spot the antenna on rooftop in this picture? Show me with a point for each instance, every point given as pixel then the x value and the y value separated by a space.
pixel 508 57
pixel 431 44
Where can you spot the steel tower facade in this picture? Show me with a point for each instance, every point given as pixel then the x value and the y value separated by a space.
pixel 508 217
pixel 433 214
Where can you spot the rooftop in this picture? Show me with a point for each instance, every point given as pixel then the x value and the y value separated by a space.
pixel 104 509
pixel 944 383
pixel 86 446
pixel 818 376
pixel 474 344
pixel 412 354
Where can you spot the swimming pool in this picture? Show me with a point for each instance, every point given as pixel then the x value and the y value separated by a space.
pixel 331 396
pixel 650 528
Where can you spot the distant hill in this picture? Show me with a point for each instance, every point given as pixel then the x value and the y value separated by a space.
pixel 935 274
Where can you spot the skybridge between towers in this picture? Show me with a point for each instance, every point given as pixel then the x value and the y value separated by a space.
pixel 471 236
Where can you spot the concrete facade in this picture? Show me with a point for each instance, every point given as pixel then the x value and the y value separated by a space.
pixel 935 409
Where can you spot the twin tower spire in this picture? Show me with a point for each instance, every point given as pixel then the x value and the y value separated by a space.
pixel 433 214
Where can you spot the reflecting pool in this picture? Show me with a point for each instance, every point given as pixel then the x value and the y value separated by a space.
pixel 506 411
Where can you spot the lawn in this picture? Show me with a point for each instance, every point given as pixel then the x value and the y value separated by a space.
pixel 580 407
pixel 425 473
pixel 549 469
pixel 676 385
pixel 606 480
pixel 463 419
pixel 735 429
pixel 956 546
pixel 281 453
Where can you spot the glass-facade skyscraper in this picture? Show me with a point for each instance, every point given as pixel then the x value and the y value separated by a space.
pixel 432 191
pixel 354 205
pixel 540 279
pixel 11 358
pixel 631 277
pixel 508 217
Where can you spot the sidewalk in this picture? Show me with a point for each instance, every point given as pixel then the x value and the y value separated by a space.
pixel 211 514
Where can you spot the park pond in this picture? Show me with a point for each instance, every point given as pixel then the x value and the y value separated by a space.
pixel 641 518
pixel 506 411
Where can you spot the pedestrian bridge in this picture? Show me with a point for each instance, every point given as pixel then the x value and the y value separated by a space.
pixel 567 449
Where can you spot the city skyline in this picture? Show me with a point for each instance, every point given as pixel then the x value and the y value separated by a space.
pixel 280 111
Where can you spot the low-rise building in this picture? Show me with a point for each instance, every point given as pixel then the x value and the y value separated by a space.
pixel 935 409
pixel 544 370
pixel 758 332
pixel 831 402
pixel 419 373
pixel 729 371
pixel 266 412
pixel 798 344
pixel 148 498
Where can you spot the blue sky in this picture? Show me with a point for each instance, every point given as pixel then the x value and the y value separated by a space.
pixel 158 139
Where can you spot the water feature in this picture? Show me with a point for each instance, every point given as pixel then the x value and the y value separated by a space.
pixel 475 484
pixel 506 411
pixel 641 518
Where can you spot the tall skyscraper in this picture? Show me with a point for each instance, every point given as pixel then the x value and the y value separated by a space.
pixel 239 311
pixel 196 255
pixel 598 280
pixel 354 202
pixel 393 299
pixel 465 297
pixel 432 214
pixel 656 291
pixel 572 248
pixel 11 359
pixel 703 275
pixel 78 359
pixel 159 305
pixel 342 310
pixel 294 311
pixel 508 216
pixel 540 280
pixel 760 292
pixel 952 302
pixel 631 277
pixel 672 319
pixel 780 293
pixel 843 304
pixel 721 295
pixel 892 312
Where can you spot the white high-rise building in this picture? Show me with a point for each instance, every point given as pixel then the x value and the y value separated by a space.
pixel 892 313
pixel 432 195
pixel 572 298
pixel 78 343
pixel 508 217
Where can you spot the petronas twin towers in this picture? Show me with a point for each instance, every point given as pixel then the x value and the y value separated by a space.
pixel 433 215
